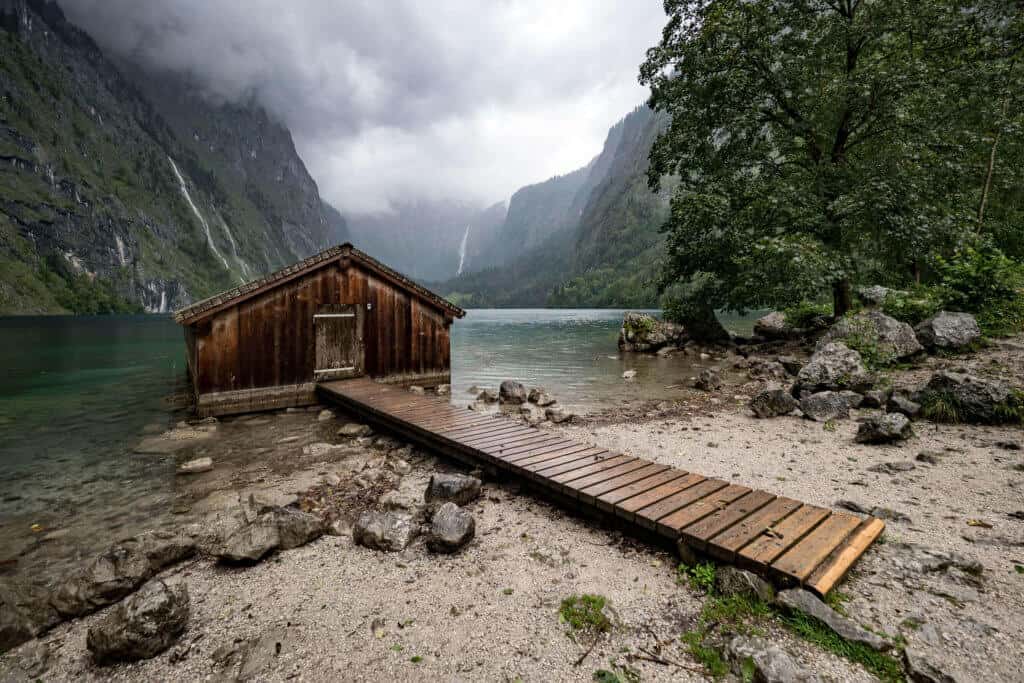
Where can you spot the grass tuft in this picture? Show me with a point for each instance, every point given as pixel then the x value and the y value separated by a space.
pixel 585 613
pixel 884 666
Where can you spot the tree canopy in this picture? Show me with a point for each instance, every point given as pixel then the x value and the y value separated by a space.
pixel 821 143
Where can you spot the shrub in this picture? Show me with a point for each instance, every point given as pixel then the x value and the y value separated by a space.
pixel 805 314
pixel 915 306
pixel 979 278
pixel 585 613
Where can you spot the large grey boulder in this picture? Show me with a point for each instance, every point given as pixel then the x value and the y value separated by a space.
pixel 119 570
pixel 948 331
pixel 960 397
pixel 387 531
pixel 834 366
pixel 886 428
pixel 142 626
pixel 830 405
pixel 875 295
pixel 646 334
pixel 771 663
pixel 774 401
pixel 803 601
pixel 891 339
pixel 511 391
pixel 454 488
pixel 451 528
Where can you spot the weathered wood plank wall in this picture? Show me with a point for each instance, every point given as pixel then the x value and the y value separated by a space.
pixel 269 340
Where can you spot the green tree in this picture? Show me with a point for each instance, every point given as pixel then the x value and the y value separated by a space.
pixel 822 142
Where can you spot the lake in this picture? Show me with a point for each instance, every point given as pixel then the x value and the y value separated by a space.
pixel 81 392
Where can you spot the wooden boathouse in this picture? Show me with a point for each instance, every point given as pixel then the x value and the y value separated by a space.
pixel 341 313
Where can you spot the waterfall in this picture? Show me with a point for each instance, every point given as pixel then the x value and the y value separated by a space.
pixel 234 248
pixel 120 250
pixel 195 210
pixel 462 249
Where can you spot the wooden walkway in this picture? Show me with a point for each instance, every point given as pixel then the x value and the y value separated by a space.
pixel 781 538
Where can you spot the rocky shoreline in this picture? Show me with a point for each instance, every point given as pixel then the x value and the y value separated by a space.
pixel 320 546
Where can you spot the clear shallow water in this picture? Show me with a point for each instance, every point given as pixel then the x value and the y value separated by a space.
pixel 80 393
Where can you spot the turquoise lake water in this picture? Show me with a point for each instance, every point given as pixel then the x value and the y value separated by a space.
pixel 81 392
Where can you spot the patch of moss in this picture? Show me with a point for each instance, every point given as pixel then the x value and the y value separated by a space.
pixel 585 613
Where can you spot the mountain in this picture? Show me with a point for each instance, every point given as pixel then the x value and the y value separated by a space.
pixel 426 239
pixel 123 190
pixel 593 235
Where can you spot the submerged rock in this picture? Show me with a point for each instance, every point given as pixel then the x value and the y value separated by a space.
pixel 387 531
pixel 884 429
pixel 709 379
pixel 120 570
pixel 834 366
pixel 142 626
pixel 948 331
pixel 830 405
pixel 455 488
pixel 644 333
pixel 451 528
pixel 541 397
pixel 890 339
pixel 773 402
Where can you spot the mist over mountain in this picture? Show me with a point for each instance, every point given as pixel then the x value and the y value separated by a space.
pixel 124 189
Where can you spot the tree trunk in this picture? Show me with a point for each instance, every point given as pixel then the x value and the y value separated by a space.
pixel 842 298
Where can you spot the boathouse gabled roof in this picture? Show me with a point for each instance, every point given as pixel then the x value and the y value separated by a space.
pixel 207 307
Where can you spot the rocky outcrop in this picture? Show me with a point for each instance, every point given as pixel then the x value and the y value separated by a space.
pixel 387 531
pixel 960 397
pixel 884 429
pixel 25 613
pixel 646 334
pixel 829 405
pixel 451 528
pixel 834 366
pixel 118 571
pixel 142 626
pixel 773 402
pixel 889 339
pixel 948 331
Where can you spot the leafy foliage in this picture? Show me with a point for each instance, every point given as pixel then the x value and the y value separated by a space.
pixel 804 314
pixel 700 576
pixel 823 143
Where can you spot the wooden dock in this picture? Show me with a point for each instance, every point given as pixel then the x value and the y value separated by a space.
pixel 790 542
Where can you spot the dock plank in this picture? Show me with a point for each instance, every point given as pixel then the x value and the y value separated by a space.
pixel 776 536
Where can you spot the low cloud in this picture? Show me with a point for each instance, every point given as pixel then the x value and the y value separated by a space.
pixel 405 99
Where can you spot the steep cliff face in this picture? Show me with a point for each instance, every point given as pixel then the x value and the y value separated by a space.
pixel 603 248
pixel 107 204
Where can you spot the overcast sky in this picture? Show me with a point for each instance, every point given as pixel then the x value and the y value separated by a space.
pixel 460 99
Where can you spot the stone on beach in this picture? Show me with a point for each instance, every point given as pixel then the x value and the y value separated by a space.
pixel 644 333
pixel 773 401
pixel 891 339
pixel 387 531
pixel 451 528
pixel 709 379
pixel 948 331
pixel 834 366
pixel 197 466
pixel 558 415
pixel 961 397
pixel 455 488
pixel 886 428
pixel 142 626
pixel 119 570
pixel 511 391
pixel 541 397
pixel 830 405
pixel 354 430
